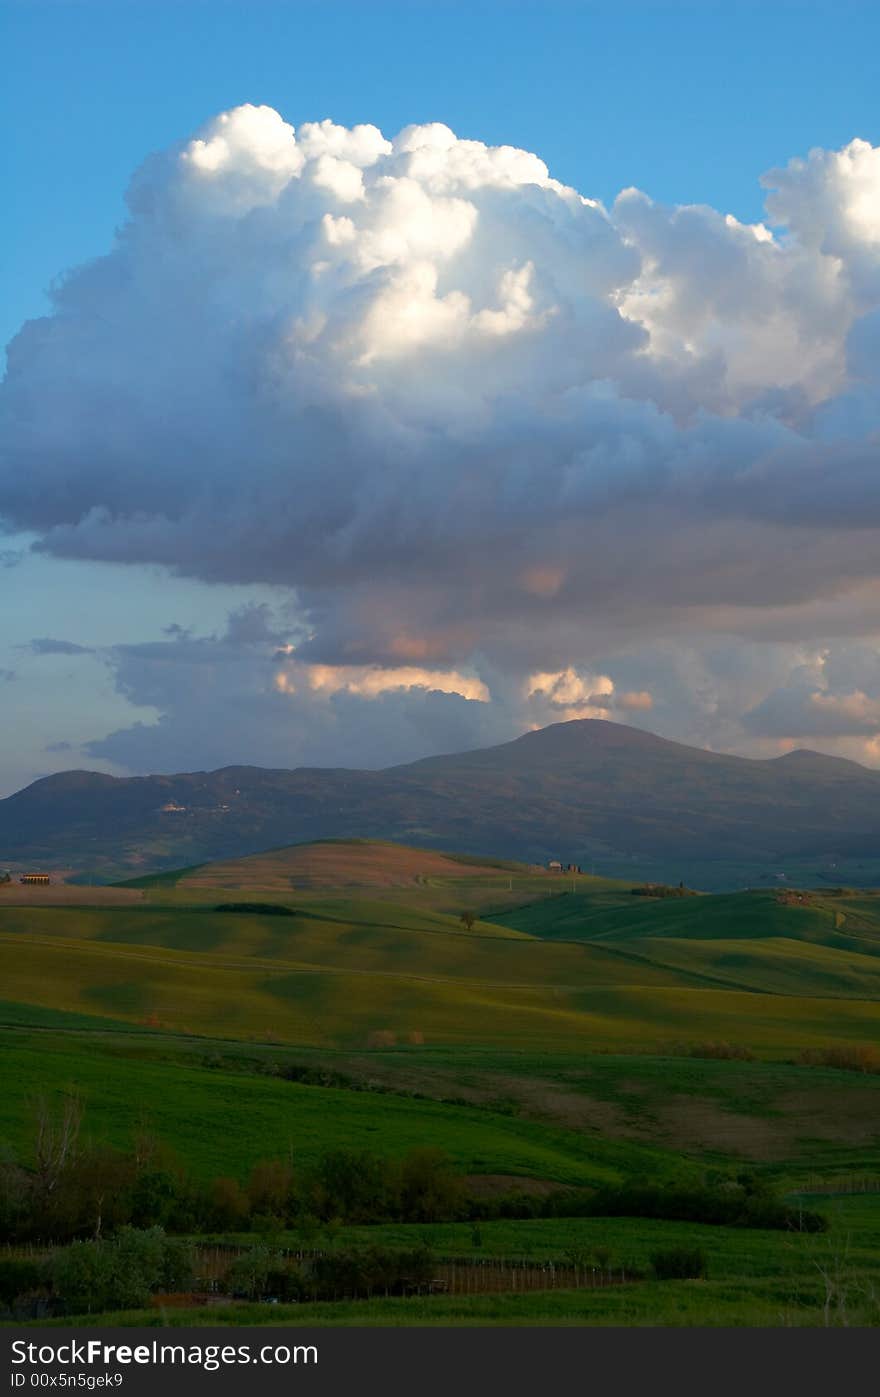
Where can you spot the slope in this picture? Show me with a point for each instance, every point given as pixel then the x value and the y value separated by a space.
pixel 582 790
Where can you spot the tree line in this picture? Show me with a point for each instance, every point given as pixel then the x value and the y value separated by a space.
pixel 77 1189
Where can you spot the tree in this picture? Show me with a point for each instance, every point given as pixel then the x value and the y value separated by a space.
pixel 122 1273
pixel 249 1273
pixel 679 1264
pixel 270 1190
pixel 467 920
pixel 56 1141
pixel 353 1185
pixel 430 1191
pixel 228 1205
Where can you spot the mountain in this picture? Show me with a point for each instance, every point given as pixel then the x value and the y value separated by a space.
pixel 588 791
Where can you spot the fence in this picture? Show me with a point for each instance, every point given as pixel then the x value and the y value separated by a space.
pixel 453 1275
pixel 841 1184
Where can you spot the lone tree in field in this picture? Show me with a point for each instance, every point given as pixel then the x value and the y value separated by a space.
pixel 467 920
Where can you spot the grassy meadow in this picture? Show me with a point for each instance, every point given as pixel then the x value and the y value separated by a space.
pixel 540 1030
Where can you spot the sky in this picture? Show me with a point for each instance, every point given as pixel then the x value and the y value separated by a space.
pixel 392 378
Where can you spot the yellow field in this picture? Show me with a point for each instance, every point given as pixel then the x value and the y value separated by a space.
pixel 392 962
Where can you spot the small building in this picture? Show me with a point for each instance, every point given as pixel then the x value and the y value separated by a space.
pixel 555 866
pixel 39 878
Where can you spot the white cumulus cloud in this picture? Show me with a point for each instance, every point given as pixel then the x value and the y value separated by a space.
pixel 477 425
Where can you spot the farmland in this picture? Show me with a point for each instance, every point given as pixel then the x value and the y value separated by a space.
pixel 541 1032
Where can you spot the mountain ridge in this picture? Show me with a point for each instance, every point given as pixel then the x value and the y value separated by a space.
pixel 585 790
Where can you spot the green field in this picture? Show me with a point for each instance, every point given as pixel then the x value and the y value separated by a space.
pixel 754 1278
pixel 564 1032
pixel 577 971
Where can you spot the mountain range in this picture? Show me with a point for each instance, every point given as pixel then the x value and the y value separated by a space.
pixel 600 794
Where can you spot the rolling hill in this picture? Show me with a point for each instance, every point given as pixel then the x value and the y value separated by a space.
pixel 343 943
pixel 331 995
pixel 589 791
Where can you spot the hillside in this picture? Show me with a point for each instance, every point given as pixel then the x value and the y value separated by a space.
pixel 334 863
pixel 565 1033
pixel 588 791
pixel 376 948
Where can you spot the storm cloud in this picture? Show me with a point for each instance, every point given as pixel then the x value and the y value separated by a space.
pixel 495 441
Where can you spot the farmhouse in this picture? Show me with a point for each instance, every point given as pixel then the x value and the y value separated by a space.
pixel 555 866
pixel 41 878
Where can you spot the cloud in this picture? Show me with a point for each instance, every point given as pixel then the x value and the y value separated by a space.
pixel 636 701
pixel 571 694
pixel 568 687
pixel 799 711
pixel 369 681
pixel 476 428
pixel 243 695
pixel 329 360
pixel 47 646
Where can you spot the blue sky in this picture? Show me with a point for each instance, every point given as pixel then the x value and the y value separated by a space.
pixel 688 101
pixel 658 367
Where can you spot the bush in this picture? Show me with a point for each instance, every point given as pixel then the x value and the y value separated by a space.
pixel 430 1191
pixel 83 1278
pixel 177 1270
pixel 262 909
pixel 154 1198
pixel 662 890
pixel 270 1191
pixel 122 1273
pixel 680 1264
pixel 228 1206
pixel 722 1052
pixel 366 1272
pixel 735 1206
pixel 248 1276
pixel 353 1185
pixel 18 1276
pixel 850 1057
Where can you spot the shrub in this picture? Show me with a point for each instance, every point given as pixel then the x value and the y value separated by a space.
pixel 680 1264
pixel 228 1206
pixel 662 890
pixel 248 1275
pixel 83 1278
pixel 154 1198
pixel 270 1189
pixel 367 1272
pixel 120 1273
pixel 350 1184
pixel 737 1206
pixel 18 1276
pixel 261 909
pixel 177 1270
pixel 722 1052
pixel 430 1191
pixel 849 1057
